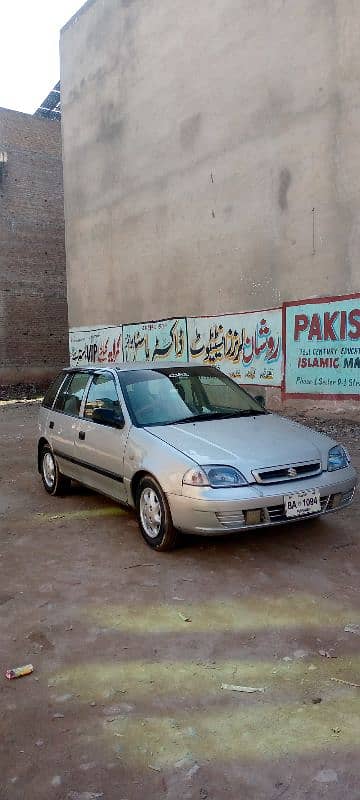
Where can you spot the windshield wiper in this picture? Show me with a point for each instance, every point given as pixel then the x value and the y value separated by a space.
pixel 255 412
pixel 210 415
pixel 198 417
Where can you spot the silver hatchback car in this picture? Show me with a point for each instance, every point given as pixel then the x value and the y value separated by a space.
pixel 188 448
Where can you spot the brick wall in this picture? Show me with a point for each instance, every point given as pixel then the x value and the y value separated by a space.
pixel 33 307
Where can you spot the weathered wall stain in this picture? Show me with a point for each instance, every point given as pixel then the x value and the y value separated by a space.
pixel 189 130
pixel 284 185
pixel 111 123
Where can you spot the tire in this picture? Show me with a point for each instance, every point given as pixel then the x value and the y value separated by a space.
pixel 53 481
pixel 154 516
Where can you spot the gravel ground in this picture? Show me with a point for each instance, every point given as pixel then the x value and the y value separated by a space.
pixel 125 701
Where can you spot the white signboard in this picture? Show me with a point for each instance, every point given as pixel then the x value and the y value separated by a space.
pixel 248 346
pixel 164 340
pixel 97 345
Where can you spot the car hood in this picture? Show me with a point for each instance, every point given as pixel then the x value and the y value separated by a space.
pixel 248 443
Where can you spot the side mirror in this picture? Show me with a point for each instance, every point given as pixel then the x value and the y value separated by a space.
pixel 261 400
pixel 108 417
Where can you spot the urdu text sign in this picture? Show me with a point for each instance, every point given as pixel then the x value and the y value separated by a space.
pixel 247 346
pixel 323 347
pixel 99 345
pixel 162 340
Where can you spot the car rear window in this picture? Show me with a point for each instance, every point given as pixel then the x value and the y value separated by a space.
pixel 53 389
pixel 69 398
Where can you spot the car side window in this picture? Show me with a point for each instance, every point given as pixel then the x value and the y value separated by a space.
pixel 71 394
pixel 52 391
pixel 102 394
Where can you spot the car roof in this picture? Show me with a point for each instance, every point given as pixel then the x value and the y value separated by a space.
pixel 126 366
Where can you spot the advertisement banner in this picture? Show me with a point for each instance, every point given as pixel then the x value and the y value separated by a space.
pixel 323 347
pixel 155 341
pixel 247 346
pixel 98 345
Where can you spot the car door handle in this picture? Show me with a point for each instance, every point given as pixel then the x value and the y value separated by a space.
pixel 51 424
pixel 82 435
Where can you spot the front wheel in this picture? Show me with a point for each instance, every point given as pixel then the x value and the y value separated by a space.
pixel 53 480
pixel 154 516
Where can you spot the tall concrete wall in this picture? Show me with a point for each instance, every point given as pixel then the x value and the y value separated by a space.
pixel 33 309
pixel 198 139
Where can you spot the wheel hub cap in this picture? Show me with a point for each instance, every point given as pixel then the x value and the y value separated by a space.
pixel 49 469
pixel 150 512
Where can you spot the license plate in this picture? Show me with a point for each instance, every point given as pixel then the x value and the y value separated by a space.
pixel 302 503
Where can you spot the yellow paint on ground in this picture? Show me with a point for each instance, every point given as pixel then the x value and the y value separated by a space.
pixel 184 679
pixel 86 513
pixel 261 732
pixel 282 721
pixel 249 614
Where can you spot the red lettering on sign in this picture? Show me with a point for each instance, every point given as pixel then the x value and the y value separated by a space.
pixel 315 328
pixel 343 325
pixel 315 363
pixel 354 322
pixel 329 320
pixel 301 324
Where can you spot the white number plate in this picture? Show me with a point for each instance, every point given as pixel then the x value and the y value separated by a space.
pixel 301 503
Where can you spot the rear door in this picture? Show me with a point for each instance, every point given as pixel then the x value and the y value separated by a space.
pixel 47 405
pixel 63 421
pixel 99 449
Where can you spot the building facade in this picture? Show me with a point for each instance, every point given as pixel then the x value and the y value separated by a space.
pixel 210 156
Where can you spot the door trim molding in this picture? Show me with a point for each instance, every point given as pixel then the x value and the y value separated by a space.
pixel 105 472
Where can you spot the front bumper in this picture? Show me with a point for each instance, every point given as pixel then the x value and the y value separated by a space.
pixel 207 511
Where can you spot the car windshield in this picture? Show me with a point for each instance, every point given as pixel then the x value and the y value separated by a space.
pixel 176 395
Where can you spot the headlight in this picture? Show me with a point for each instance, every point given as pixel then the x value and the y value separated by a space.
pixel 338 458
pixel 215 475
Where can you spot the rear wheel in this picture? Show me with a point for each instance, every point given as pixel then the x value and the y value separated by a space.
pixel 154 516
pixel 53 480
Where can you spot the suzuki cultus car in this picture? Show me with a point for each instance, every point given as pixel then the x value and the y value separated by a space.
pixel 189 449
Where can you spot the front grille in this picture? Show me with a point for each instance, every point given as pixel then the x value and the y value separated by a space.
pixel 231 519
pixel 289 472
pixel 277 513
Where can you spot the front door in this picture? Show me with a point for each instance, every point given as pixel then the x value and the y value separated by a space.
pixel 99 449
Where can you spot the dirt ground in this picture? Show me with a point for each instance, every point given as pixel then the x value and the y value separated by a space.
pixel 125 701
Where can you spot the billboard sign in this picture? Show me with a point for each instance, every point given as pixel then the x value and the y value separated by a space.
pixel 322 352
pixel 163 340
pixel 99 345
pixel 247 346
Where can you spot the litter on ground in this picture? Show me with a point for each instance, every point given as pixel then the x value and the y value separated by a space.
pixel 184 617
pixel 327 654
pixel 353 628
pixel 19 672
pixel 247 689
pixel 346 683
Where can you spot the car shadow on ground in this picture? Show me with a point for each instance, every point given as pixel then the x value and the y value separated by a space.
pixel 318 533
